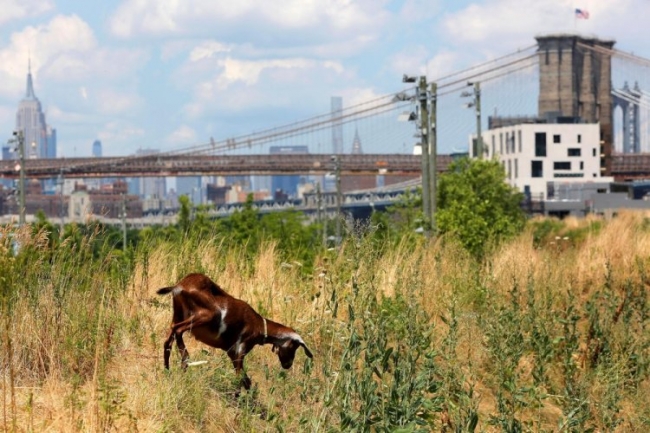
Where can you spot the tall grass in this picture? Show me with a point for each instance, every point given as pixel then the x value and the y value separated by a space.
pixel 550 333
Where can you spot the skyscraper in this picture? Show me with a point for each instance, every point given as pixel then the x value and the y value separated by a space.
pixel 337 124
pixel 40 138
pixel 97 148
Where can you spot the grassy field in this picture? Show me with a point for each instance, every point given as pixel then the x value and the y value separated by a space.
pixel 549 333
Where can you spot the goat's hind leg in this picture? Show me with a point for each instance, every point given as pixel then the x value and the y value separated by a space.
pixel 185 355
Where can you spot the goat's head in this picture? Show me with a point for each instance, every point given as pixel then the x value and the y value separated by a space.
pixel 286 350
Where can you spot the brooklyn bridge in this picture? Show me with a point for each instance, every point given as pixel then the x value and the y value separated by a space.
pixel 593 83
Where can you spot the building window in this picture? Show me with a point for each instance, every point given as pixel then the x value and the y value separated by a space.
pixel 501 143
pixel 556 138
pixel 579 138
pixel 540 144
pixel 516 169
pixel 574 151
pixel 562 165
pixel 594 152
pixel 582 165
pixel 519 137
pixel 568 175
pixel 537 168
pixel 509 170
pixel 493 147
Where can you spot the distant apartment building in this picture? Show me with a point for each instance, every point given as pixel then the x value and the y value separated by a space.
pixel 287 185
pixel 533 154
pixel 147 187
pixel 191 187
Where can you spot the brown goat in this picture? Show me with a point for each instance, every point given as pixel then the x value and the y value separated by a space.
pixel 219 320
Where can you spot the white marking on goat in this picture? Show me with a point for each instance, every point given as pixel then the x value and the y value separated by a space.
pixel 176 290
pixel 238 346
pixel 222 325
pixel 293 336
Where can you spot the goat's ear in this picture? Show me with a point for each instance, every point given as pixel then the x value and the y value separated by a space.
pixel 275 348
pixel 307 351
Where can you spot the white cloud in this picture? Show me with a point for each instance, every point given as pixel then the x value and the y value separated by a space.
pixel 241 84
pixel 322 19
pixel 508 24
pixel 44 45
pixel 208 49
pixel 17 9
pixel 183 135
pixel 117 131
pixel 410 61
pixel 443 63
pixel 249 71
pixel 110 101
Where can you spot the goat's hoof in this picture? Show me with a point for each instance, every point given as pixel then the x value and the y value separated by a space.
pixel 246 383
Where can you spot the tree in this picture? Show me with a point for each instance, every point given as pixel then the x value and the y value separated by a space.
pixel 184 214
pixel 476 205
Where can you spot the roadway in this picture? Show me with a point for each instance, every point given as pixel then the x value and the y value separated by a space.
pixel 219 165
pixel 624 166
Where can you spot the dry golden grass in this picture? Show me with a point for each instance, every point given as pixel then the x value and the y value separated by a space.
pixel 121 386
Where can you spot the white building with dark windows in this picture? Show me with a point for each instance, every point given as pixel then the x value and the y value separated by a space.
pixel 534 154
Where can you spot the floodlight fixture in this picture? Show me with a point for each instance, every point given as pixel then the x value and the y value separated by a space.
pixel 401 96
pixel 408 79
pixel 407 116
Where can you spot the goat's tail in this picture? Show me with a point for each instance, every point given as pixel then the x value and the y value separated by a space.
pixel 165 290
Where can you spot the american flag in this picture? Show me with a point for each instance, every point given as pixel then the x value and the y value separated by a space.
pixel 581 13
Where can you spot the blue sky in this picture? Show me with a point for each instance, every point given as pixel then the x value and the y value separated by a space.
pixel 169 74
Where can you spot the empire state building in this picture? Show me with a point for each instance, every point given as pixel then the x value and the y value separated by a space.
pixel 40 138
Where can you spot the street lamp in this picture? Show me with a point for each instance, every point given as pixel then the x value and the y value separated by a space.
pixel 19 140
pixel 476 103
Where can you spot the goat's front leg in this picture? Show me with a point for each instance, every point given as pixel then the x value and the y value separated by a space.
pixel 238 362
pixel 167 348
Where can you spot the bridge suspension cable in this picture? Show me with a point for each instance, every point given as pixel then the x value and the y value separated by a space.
pixel 482 65
pixel 494 77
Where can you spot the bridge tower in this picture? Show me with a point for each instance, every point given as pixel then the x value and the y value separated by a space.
pixel 575 85
pixel 629 100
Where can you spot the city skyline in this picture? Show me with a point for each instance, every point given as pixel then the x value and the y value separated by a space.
pixel 156 74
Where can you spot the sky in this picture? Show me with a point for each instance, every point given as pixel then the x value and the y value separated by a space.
pixel 169 74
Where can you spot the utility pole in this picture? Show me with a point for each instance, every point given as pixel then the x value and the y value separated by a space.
pixel 319 215
pixel 424 133
pixel 337 168
pixel 123 216
pixel 19 139
pixel 61 211
pixel 433 155
pixel 477 103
